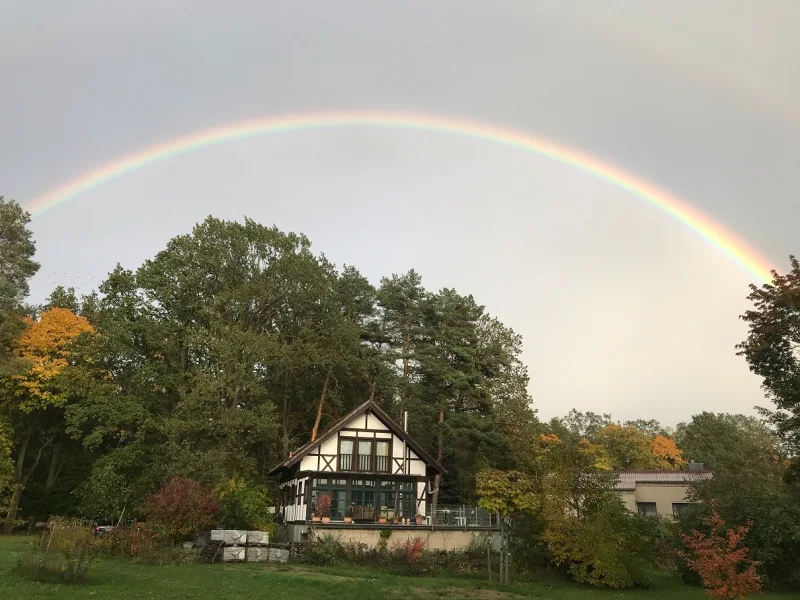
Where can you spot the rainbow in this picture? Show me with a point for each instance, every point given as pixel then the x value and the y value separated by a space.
pixel 712 232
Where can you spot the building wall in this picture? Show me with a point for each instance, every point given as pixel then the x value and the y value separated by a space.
pixel 296 510
pixel 663 494
pixel 439 539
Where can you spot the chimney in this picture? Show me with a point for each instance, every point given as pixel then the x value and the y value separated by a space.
pixel 696 466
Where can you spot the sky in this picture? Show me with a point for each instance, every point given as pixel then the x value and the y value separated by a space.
pixel 622 309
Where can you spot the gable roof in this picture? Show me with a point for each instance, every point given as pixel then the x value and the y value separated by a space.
pixel 370 406
pixel 628 479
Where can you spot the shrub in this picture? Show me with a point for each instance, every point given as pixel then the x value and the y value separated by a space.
pixel 143 544
pixel 413 550
pixel 721 560
pixel 63 553
pixel 244 506
pixel 608 548
pixel 325 550
pixel 182 508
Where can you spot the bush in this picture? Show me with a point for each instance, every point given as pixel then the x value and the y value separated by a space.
pixel 244 505
pixel 63 553
pixel 327 550
pixel 609 548
pixel 182 508
pixel 143 544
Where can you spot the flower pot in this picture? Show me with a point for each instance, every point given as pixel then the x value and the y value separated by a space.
pixel 326 519
pixel 316 519
pixel 348 519
pixel 382 520
pixel 419 520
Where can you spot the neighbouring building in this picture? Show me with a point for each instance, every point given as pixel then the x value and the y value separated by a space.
pixel 375 476
pixel 659 492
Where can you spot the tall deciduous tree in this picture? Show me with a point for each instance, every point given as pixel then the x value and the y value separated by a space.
pixel 16 268
pixel 772 347
pixel 35 397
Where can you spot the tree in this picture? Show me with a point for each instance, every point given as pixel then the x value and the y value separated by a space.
pixel 748 485
pixel 720 558
pixel 667 455
pixel 35 397
pixel 772 347
pixel 730 443
pixel 579 425
pixel 584 523
pixel 16 268
pixel 627 447
pixel 505 492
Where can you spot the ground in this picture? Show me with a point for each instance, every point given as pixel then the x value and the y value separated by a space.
pixel 113 579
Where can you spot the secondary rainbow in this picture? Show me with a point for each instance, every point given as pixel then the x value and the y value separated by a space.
pixel 714 233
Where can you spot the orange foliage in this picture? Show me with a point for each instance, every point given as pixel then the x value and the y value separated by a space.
pixel 549 439
pixel 667 454
pixel 723 566
pixel 45 346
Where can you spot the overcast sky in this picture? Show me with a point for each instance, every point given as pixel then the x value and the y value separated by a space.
pixel 622 309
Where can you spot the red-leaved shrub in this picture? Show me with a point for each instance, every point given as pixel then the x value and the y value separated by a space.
pixel 182 508
pixel 721 560
pixel 414 550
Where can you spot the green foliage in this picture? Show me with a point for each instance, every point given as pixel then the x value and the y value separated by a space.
pixel 771 347
pixel 506 492
pixel 16 268
pixel 748 485
pixel 244 505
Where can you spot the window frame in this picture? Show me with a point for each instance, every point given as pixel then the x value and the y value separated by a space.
pixel 640 505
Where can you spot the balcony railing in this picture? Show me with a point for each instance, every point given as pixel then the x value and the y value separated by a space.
pixel 461 515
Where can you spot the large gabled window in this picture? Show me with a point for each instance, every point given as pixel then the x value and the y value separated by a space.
pixel 364 455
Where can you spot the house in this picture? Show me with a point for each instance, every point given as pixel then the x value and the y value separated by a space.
pixel 374 476
pixel 658 492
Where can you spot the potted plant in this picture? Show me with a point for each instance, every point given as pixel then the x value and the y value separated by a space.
pixel 394 520
pixel 324 506
pixel 348 516
pixel 381 519
pixel 419 519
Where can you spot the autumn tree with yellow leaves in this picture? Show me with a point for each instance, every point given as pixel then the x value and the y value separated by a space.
pixel 34 398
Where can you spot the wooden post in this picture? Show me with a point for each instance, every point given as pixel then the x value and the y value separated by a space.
pixel 489 560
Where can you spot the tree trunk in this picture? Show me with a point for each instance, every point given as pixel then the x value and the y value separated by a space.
pixel 404 385
pixel 54 468
pixel 11 516
pixel 21 478
pixel 319 408
pixel 437 480
pixel 285 416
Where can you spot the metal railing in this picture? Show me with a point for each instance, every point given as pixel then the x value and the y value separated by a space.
pixel 461 515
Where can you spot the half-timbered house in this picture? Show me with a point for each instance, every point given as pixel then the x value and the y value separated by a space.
pixel 367 465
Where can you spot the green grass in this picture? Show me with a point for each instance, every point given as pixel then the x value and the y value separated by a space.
pixel 112 579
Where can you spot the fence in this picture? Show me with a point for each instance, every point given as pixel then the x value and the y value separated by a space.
pixel 461 515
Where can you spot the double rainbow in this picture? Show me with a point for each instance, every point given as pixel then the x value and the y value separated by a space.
pixel 712 232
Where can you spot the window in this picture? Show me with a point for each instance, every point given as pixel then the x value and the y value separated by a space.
pixel 362 493
pixel 679 507
pixel 382 456
pixel 406 499
pixel 346 447
pixel 336 489
pixel 365 455
pixel 647 508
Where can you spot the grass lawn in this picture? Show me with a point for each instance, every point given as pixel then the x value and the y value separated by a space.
pixel 121 579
